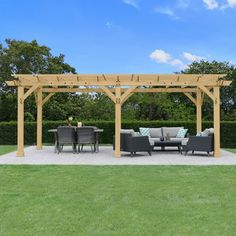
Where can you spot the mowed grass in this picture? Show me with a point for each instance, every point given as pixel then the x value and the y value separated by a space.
pixel 7 148
pixel 231 150
pixel 117 200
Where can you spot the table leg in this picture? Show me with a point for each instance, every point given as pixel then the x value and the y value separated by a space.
pixel 97 146
pixel 179 148
pixel 55 148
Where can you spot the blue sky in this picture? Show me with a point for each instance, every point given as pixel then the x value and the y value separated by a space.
pixel 125 36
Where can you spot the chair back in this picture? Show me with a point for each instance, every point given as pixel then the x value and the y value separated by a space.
pixel 66 134
pixel 85 135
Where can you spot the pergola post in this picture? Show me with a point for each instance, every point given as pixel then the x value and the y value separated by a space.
pixel 20 122
pixel 199 110
pixel 117 120
pixel 216 101
pixel 39 117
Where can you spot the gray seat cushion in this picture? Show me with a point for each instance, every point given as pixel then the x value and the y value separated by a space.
pixel 171 130
pixel 182 140
pixel 154 139
pixel 152 143
pixel 156 132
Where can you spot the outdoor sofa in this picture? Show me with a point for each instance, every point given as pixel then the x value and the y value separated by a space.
pixel 157 136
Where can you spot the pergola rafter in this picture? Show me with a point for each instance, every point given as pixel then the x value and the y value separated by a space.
pixel 118 87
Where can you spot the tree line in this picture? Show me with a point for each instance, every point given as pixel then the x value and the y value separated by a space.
pixel 29 57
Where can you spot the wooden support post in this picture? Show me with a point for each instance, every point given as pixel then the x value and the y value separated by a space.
pixel 216 102
pixel 199 110
pixel 39 118
pixel 20 122
pixel 117 121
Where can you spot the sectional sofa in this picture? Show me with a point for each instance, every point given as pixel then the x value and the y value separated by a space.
pixel 158 134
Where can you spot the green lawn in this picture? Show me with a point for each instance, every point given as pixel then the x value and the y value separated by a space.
pixel 7 148
pixel 118 200
pixel 231 150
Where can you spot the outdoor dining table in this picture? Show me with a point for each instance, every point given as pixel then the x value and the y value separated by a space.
pixel 96 131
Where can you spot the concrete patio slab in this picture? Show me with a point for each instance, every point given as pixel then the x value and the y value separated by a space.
pixel 106 157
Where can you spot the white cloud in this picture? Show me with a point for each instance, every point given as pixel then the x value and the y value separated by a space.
pixel 176 62
pixel 160 56
pixel 133 3
pixel 215 4
pixel 183 3
pixel 190 57
pixel 109 24
pixel 211 4
pixel 166 11
pixel 232 3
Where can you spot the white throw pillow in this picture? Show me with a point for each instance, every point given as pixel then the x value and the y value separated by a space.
pixel 144 131
pixel 181 133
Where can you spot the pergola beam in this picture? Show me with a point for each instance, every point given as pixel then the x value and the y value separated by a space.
pixel 127 94
pixel 47 98
pixel 191 98
pixel 137 90
pixel 109 93
pixel 31 90
pixel 206 90
pixel 164 80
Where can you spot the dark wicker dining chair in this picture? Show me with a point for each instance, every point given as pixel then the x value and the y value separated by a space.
pixel 86 135
pixel 66 135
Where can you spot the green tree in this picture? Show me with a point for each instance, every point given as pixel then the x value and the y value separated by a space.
pixel 26 58
pixel 228 94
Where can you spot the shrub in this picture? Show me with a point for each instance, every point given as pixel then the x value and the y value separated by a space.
pixel 8 130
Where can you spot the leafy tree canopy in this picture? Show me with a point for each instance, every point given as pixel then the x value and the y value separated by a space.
pixel 228 94
pixel 30 57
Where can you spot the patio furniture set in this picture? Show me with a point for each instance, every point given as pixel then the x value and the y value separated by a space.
pixel 144 141
pixel 149 138
pixel 77 137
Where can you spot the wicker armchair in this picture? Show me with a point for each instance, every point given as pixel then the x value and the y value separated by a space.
pixel 133 144
pixel 86 135
pixel 65 135
pixel 199 143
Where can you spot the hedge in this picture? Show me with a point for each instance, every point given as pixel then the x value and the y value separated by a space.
pixel 8 130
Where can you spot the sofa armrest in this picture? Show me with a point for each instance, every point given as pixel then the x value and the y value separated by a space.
pixel 138 143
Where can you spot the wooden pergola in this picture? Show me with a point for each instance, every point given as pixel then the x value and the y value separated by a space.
pixel 118 87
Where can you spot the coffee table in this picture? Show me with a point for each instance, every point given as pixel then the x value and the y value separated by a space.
pixel 170 143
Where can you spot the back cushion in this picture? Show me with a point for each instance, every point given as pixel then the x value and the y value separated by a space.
pixel 206 132
pixel 127 131
pixel 156 132
pixel 144 131
pixel 171 130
